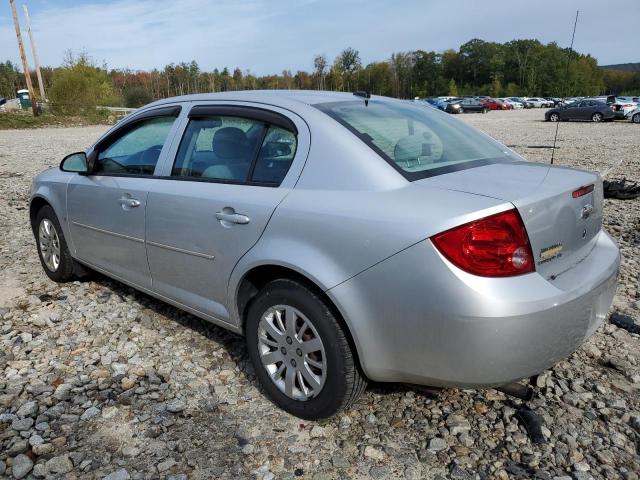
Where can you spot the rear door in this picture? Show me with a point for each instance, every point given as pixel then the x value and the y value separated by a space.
pixel 106 209
pixel 233 166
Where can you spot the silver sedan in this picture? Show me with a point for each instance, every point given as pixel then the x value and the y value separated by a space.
pixel 347 237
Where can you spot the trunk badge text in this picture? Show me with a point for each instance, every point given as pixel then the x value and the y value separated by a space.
pixel 586 211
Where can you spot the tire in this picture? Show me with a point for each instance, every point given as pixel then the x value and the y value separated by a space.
pixel 338 383
pixel 554 117
pixel 636 118
pixel 461 110
pixel 485 110
pixel 596 117
pixel 53 251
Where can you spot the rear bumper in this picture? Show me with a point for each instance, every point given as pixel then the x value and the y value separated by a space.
pixel 416 318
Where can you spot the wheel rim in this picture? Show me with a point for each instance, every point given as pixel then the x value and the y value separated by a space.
pixel 49 244
pixel 636 118
pixel 292 352
pixel 554 117
pixel 597 117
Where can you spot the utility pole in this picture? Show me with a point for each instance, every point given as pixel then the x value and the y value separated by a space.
pixel 23 55
pixel 35 54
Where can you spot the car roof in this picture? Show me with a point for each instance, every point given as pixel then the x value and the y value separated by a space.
pixel 274 97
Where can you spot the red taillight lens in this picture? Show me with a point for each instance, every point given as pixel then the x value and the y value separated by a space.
pixel 494 246
pixel 582 191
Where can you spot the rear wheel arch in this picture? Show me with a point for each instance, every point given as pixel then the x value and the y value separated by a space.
pixel 256 278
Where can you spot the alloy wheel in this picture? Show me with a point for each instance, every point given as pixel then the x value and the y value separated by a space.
pixel 554 117
pixel 636 118
pixel 292 352
pixel 597 117
pixel 49 244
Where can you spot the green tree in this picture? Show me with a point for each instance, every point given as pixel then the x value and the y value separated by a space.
pixel 80 86
pixel 453 89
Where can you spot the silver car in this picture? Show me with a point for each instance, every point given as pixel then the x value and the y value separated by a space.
pixel 347 237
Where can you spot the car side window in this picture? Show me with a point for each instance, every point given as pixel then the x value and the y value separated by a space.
pixel 275 157
pixel 234 149
pixel 218 148
pixel 137 150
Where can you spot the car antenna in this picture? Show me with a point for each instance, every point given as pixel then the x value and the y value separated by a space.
pixel 566 80
pixel 364 94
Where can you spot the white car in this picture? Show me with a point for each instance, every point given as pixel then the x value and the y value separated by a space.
pixel 539 102
pixel 634 115
pixel 515 105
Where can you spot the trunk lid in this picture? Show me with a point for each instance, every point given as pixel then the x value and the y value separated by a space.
pixel 561 228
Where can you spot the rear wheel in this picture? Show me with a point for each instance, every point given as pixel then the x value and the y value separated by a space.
pixel 636 118
pixel 554 117
pixel 54 254
pixel 485 110
pixel 300 352
pixel 596 117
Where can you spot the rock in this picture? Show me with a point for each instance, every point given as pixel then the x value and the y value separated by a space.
pixel 374 453
pixel 3 467
pixel 130 452
pixel 248 449
pixel 318 432
pixel 176 406
pixel 437 444
pixel 340 461
pixel 121 474
pixel 166 465
pixel 21 466
pixel 379 473
pixel 90 413
pixel 60 464
pixel 457 424
pixel 63 392
pixel 128 383
pixel 42 449
pixel 22 424
pixel 28 409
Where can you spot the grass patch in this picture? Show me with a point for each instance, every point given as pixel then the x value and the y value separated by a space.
pixel 24 120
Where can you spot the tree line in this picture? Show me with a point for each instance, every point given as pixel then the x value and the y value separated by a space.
pixel 523 67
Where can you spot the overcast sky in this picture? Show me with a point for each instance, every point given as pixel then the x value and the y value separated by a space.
pixel 268 36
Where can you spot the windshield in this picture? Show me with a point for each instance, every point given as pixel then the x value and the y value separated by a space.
pixel 417 141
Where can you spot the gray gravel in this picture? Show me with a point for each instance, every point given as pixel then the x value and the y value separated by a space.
pixel 99 381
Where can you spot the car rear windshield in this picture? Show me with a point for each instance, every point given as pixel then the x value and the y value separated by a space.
pixel 416 140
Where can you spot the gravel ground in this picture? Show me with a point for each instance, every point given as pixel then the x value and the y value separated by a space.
pixel 99 381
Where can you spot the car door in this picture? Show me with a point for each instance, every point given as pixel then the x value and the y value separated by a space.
pixel 106 208
pixel 217 195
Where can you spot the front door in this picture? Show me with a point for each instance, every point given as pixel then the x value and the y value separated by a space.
pixel 106 209
pixel 223 187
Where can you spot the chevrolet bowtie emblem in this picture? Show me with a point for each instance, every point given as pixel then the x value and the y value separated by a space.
pixel 586 211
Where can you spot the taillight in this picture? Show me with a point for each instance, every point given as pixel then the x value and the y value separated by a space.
pixel 494 246
pixel 582 191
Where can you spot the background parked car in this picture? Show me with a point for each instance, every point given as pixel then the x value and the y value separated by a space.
pixel 514 105
pixel 634 115
pixel 540 102
pixel 523 101
pixel 583 110
pixel 622 108
pixel 495 104
pixel 466 105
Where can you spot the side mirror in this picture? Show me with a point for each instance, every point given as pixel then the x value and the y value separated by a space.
pixel 76 162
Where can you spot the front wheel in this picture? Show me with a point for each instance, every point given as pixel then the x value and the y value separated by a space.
pixel 596 117
pixel 554 117
pixel 485 110
pixel 461 110
pixel 54 254
pixel 636 118
pixel 300 353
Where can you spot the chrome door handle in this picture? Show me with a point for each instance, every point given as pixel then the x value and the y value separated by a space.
pixel 237 218
pixel 129 202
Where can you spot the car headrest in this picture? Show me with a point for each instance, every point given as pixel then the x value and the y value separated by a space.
pixel 411 147
pixel 230 142
pixel 276 149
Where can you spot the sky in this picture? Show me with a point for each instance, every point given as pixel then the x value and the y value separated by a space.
pixel 268 36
